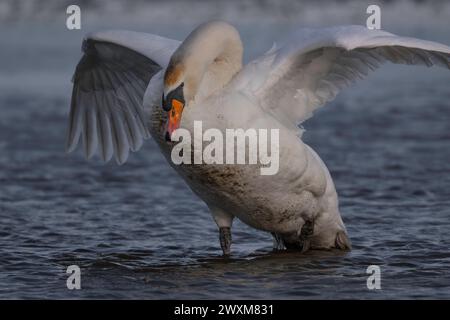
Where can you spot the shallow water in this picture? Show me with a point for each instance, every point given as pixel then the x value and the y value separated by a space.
pixel 386 142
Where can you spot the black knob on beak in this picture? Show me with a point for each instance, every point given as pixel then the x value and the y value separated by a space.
pixel 166 104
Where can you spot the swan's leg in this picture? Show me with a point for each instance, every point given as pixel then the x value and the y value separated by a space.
pixel 224 221
pixel 278 243
pixel 225 240
pixel 300 240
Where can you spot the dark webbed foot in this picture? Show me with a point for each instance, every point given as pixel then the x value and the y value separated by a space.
pixel 225 240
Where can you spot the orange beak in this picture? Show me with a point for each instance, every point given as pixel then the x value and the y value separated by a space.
pixel 174 120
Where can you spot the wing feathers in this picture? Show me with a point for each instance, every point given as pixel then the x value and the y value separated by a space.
pixel 104 132
pixel 89 127
pixel 74 130
pixel 109 85
pixel 316 64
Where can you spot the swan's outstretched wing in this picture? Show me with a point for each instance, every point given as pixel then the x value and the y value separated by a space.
pixel 315 64
pixel 108 89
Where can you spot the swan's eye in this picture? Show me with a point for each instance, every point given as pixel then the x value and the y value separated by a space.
pixel 176 94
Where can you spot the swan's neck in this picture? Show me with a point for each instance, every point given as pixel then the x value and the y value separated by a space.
pixel 211 55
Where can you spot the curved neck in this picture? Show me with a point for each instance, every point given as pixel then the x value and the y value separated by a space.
pixel 211 55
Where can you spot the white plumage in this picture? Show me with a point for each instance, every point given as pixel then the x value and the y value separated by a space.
pixel 122 76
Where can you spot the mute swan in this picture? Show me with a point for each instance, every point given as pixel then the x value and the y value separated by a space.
pixel 127 83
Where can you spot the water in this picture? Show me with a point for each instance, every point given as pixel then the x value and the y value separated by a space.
pixel 137 231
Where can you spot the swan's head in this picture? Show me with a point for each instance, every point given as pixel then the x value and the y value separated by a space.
pixel 180 85
pixel 173 100
pixel 214 47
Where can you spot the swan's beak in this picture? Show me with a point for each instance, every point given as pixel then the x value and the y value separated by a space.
pixel 174 119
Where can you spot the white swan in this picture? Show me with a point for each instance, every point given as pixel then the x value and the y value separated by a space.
pixel 116 103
